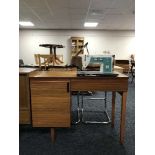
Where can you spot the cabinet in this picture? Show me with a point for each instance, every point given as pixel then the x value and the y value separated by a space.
pixel 50 101
pixel 24 99
pixel 77 44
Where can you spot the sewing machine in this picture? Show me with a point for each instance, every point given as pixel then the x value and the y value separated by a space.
pixel 105 62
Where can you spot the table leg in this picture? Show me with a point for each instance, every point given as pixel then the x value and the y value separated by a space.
pixel 113 109
pixel 56 58
pixel 53 135
pixel 123 114
pixel 51 52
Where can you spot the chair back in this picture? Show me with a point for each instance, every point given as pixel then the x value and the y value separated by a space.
pixel 77 62
pixel 45 60
pixel 21 62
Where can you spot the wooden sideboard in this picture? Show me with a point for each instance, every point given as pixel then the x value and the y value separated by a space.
pixel 24 95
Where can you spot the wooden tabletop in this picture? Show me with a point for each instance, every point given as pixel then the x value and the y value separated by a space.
pixel 23 70
pixel 51 45
pixel 68 73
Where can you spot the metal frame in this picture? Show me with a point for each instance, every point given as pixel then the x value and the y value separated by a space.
pixel 105 111
pixel 78 110
pixel 80 117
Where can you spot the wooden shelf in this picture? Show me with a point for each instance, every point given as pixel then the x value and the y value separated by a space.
pixel 76 43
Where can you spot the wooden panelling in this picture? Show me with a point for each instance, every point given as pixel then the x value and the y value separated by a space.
pixel 55 73
pixel 50 118
pixel 50 102
pixel 24 99
pixel 99 85
pixel 24 117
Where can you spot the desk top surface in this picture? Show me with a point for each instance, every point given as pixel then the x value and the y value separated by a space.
pixel 68 73
pixel 23 70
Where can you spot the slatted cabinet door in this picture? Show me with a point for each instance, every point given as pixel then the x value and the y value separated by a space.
pixel 50 101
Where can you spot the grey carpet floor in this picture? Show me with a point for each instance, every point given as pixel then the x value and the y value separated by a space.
pixel 82 139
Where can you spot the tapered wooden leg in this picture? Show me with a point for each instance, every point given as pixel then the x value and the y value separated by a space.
pixel 53 135
pixel 113 109
pixel 123 114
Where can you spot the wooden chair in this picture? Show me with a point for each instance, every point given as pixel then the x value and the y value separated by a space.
pixel 44 60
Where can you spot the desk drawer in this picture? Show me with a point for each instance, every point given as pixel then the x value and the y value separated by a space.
pixel 50 101
pixel 99 85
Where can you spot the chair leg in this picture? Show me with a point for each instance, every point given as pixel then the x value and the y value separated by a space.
pixel 78 109
pixel 133 76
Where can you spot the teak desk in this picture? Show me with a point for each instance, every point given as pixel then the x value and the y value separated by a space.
pixel 51 96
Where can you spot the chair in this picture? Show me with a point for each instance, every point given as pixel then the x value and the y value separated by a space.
pixel 104 99
pixel 21 62
pixel 77 61
pixel 44 61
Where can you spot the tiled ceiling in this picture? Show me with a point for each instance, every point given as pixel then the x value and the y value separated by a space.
pixel 71 14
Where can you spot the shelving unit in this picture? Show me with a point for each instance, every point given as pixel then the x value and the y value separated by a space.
pixel 77 44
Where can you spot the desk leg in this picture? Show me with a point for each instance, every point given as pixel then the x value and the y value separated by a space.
pixel 53 135
pixel 113 109
pixel 123 113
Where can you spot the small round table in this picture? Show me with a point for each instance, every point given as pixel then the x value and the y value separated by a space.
pixel 52 47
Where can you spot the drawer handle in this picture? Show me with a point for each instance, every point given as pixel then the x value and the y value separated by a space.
pixel 68 87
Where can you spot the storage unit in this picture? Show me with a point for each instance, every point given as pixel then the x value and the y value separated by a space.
pixel 77 44
pixel 50 101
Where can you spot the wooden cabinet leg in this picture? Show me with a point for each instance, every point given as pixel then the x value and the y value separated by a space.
pixel 53 135
pixel 113 109
pixel 123 114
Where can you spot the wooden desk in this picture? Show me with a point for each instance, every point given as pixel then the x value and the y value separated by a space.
pixel 51 96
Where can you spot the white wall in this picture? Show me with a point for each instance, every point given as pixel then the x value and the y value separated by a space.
pixel 120 43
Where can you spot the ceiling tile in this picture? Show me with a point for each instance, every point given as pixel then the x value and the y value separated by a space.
pixel 111 14
pixel 58 3
pixel 79 4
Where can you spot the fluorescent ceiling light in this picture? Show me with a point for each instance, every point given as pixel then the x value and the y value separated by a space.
pixel 26 23
pixel 88 24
